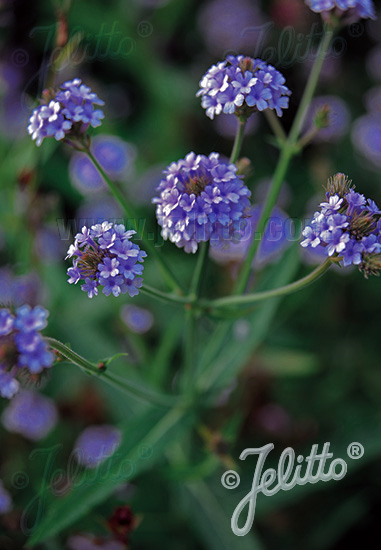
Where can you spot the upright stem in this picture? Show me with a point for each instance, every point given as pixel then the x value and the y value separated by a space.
pixel 238 140
pixel 195 288
pixel 199 271
pixel 190 318
pixel 275 125
pixel 167 273
pixel 288 151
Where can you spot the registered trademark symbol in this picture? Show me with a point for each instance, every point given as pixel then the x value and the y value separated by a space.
pixel 356 30
pixel 355 450
pixel 145 29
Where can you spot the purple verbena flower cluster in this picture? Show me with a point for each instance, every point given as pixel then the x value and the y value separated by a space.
pixel 201 199
pixel 71 109
pixel 348 225
pixel 105 256
pixel 358 8
pixel 22 346
pixel 242 85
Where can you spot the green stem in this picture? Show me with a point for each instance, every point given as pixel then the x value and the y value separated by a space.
pixel 199 271
pixel 129 387
pixel 118 195
pixel 238 140
pixel 248 299
pixel 164 296
pixel 288 151
pixel 189 351
pixel 275 126
pixel 190 318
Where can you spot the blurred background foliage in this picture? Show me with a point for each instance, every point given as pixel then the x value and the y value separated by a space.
pixel 309 364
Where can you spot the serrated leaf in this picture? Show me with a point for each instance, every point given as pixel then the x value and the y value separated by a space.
pixel 153 430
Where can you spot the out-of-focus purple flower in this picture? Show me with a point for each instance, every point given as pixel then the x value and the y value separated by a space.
pixel 356 8
pixel 89 542
pixel 366 137
pixel 231 27
pixel 48 244
pixel 19 289
pixel 137 319
pixel 22 346
pixel 276 239
pixel 26 289
pixel 373 27
pixel 243 85
pixel 105 256
pixel 30 414
pixel 144 187
pixel 262 188
pixel 113 154
pixel 99 209
pixel 71 109
pixel 5 500
pixel 201 199
pixel 95 444
pixel 373 63
pixel 338 118
pixel 226 125
pixel 347 226
pixel 373 100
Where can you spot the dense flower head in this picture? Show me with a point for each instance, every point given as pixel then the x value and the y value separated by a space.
pixel 201 199
pixel 357 8
pixel 22 348
pixel 70 109
pixel 31 415
pixel 105 256
pixel 242 85
pixel 95 444
pixel 348 226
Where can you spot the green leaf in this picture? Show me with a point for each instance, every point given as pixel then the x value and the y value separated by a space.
pixel 212 522
pixel 153 431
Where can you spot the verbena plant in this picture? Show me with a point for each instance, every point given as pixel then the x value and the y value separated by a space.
pixel 202 204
